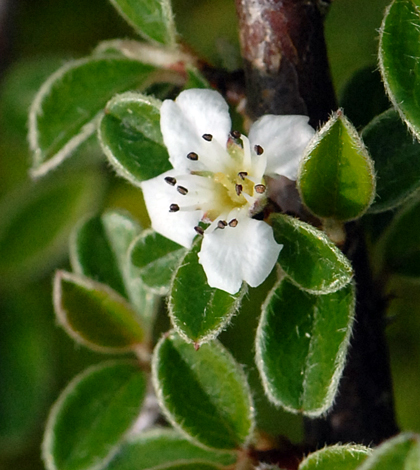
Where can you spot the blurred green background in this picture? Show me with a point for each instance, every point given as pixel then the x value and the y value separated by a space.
pixel 36 358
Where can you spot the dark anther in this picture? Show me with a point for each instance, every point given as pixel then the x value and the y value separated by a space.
pixel 235 134
pixel 242 174
pixel 173 208
pixel 233 223
pixel 199 230
pixel 238 188
pixel 192 156
pixel 260 188
pixel 222 223
pixel 170 180
pixel 258 149
pixel 182 190
pixel 207 137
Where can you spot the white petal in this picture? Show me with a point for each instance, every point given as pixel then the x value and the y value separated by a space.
pixel 177 226
pixel 183 122
pixel 247 252
pixel 283 139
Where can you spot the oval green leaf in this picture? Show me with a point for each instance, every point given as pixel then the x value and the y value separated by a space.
pixel 68 106
pixel 199 312
pixel 402 241
pixel 164 448
pixel 308 257
pixel 152 19
pixel 99 246
pixel 130 136
pixel 37 219
pixel 301 346
pixel 95 315
pixel 92 415
pixel 336 178
pixel 397 160
pixel 399 49
pixel 338 457
pixel 203 393
pixel 400 453
pixel 154 259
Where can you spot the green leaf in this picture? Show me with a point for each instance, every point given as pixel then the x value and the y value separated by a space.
pixel 336 178
pixel 164 448
pixel 198 311
pixel 402 241
pixel 68 106
pixel 338 457
pixel 397 160
pixel 92 415
pixel 203 393
pixel 303 248
pixel 99 246
pixel 95 315
pixel 400 453
pixel 130 136
pixel 364 96
pixel 37 220
pixel 399 49
pixel 152 19
pixel 301 346
pixel 154 259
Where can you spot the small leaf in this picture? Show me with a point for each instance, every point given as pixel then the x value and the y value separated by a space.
pixel 95 315
pixel 37 220
pixel 301 346
pixel 155 259
pixel 203 392
pixel 92 415
pixel 99 246
pixel 164 448
pixel 364 96
pixel 68 106
pixel 338 457
pixel 397 160
pixel 198 311
pixel 402 241
pixel 336 178
pixel 303 248
pixel 399 49
pixel 152 19
pixel 130 136
pixel 400 453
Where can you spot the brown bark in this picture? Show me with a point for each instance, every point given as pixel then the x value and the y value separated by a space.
pixel 285 58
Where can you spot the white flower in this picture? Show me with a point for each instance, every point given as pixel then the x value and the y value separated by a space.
pixel 218 179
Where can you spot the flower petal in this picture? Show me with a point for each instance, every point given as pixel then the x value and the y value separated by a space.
pixel 184 121
pixel 177 226
pixel 247 252
pixel 283 139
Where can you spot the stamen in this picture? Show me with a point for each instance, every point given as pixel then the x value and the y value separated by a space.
pixel 170 180
pixel 222 223
pixel 182 190
pixel 258 149
pixel 260 188
pixel 173 208
pixel 235 134
pixel 242 174
pixel 207 137
pixel 199 230
pixel 233 223
pixel 192 156
pixel 238 188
